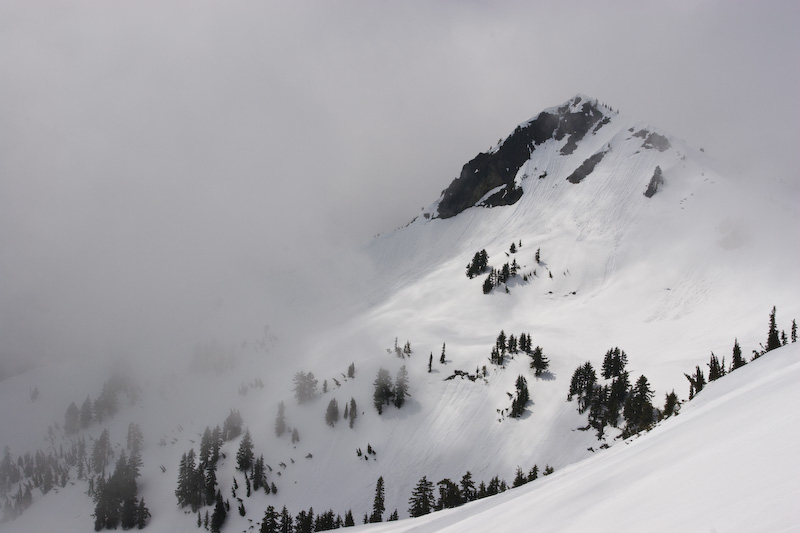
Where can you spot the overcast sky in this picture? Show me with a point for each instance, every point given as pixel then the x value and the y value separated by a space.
pixel 168 166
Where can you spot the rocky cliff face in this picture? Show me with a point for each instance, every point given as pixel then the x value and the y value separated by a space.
pixel 497 169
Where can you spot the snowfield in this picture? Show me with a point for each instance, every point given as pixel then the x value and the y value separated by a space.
pixel 728 462
pixel 668 279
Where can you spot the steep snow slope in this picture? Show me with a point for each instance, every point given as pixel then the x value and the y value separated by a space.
pixel 666 278
pixel 728 462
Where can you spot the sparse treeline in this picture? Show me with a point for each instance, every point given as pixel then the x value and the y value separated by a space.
pixel 115 495
pixel 511 345
pixel 479 264
pixel 197 473
pixel 717 367
pixel 104 406
pixel 446 494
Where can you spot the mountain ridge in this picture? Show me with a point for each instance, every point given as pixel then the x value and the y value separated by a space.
pixel 600 264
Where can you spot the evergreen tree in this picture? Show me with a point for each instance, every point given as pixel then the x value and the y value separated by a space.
pixel 219 515
pixel 520 478
pixel 614 363
pixel 421 501
pixel 353 412
pixel 351 370
pixel 794 330
pixel 538 257
pixel 441 357
pixel 478 264
pixel 86 413
pixel 325 387
pixel 332 413
pixel 100 452
pixel 280 420
pixel 305 386
pixel 449 495
pixel 134 439
pixel 716 369
pixel 773 341
pixel 401 387
pixel 269 524
pixel 393 517
pixel 295 436
pixel 348 519
pixel 106 404
pixel 383 390
pixel 737 361
pixel 259 474
pixel 671 405
pixel 696 382
pixel 378 504
pixel 638 410
pixel 533 474
pixel 468 491
pixel 539 362
pixel 582 385
pixel 520 399
pixel 210 484
pixel 430 363
pixel 488 284
pixel 286 521
pixel 232 427
pixel 72 419
pixel 245 455
pixel 142 515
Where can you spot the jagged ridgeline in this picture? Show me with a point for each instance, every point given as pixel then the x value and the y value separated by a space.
pixel 497 168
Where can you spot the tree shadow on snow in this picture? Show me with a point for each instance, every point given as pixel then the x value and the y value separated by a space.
pixel 410 407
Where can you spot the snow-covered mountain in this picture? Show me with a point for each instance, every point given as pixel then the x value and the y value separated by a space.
pixel 619 234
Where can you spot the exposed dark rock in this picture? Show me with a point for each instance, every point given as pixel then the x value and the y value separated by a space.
pixel 653 140
pixel 659 142
pixel 495 169
pixel 586 168
pixel 655 182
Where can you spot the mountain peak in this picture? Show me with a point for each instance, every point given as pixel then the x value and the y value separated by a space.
pixel 489 178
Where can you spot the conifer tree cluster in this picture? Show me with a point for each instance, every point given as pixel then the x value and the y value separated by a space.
pixel 387 393
pixel 116 499
pixel 304 522
pixel 605 402
pixel 332 413
pixel 232 427
pixel 521 397
pixel 513 345
pixel 20 477
pixel 478 265
pixel 105 406
pixel 305 386
pixel 424 498
pixel 197 472
pixel 351 412
pixel 500 276
pixel 403 352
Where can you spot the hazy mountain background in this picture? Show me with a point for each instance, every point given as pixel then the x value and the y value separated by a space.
pixel 166 166
pixel 196 196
